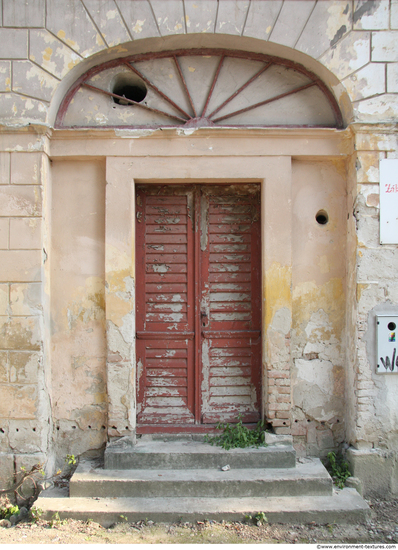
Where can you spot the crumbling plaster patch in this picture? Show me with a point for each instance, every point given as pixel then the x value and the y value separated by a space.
pixel 378 421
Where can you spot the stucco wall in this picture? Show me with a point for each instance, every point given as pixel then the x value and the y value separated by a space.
pixel 319 295
pixel 77 287
pixel 44 46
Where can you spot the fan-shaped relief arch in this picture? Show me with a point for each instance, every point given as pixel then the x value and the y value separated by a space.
pixel 201 87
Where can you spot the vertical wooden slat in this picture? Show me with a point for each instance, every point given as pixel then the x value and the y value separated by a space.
pixel 231 296
pixel 165 305
pixel 198 304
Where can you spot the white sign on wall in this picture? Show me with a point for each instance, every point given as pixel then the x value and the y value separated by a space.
pixel 389 201
pixel 387 344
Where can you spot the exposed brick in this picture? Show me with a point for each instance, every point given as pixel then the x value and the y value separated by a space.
pixel 364 400
pixel 284 399
pixel 365 385
pixel 299 428
pixel 282 431
pixel 279 422
pixel 279 406
pixel 282 382
pixel 366 393
pixel 283 414
pixel 284 390
pixel 277 374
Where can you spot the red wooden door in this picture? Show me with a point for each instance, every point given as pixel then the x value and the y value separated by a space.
pixel 198 304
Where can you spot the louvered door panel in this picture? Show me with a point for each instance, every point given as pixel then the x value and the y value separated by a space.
pixel 230 304
pixel 165 339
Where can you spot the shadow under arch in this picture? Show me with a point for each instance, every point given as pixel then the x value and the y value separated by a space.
pixel 242 46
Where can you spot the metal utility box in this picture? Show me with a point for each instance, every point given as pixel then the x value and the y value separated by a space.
pixel 387 344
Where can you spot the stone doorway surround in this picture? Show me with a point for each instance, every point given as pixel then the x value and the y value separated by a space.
pixel 205 156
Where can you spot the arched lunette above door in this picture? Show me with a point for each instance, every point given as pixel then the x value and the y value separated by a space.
pixel 199 88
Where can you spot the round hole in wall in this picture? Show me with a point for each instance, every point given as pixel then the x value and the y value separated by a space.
pixel 391 326
pixel 128 86
pixel 322 217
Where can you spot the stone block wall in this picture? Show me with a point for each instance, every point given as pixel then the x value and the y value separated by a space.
pixel 42 41
pixel 24 414
pixel 44 47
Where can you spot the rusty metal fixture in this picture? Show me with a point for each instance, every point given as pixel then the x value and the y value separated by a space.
pixel 196 119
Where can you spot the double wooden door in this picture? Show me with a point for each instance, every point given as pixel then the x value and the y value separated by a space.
pixel 198 297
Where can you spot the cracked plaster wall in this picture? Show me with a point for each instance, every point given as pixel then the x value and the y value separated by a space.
pixel 318 324
pixel 43 46
pixel 78 351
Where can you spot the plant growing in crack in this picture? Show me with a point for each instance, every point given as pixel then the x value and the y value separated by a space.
pixel 238 436
pixel 338 468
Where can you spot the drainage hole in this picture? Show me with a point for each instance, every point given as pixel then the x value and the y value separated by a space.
pixel 322 217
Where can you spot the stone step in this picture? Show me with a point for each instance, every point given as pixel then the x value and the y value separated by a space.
pixel 152 454
pixel 344 506
pixel 309 478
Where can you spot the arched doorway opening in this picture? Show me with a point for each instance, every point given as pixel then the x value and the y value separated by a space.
pixel 212 121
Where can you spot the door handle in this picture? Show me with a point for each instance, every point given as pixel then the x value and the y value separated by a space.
pixel 203 318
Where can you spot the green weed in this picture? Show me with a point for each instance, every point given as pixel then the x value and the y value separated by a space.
pixel 260 518
pixel 35 514
pixel 238 436
pixel 7 509
pixel 338 469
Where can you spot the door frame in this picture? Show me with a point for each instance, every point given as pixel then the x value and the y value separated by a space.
pixel 199 194
pixel 122 173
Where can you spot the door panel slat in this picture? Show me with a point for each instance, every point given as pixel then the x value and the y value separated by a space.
pixel 228 260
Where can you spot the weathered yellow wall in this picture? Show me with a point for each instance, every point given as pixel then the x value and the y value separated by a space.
pixel 77 305
pixel 319 298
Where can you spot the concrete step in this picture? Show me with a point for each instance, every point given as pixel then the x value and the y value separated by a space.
pixel 150 454
pixel 344 506
pixel 309 478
